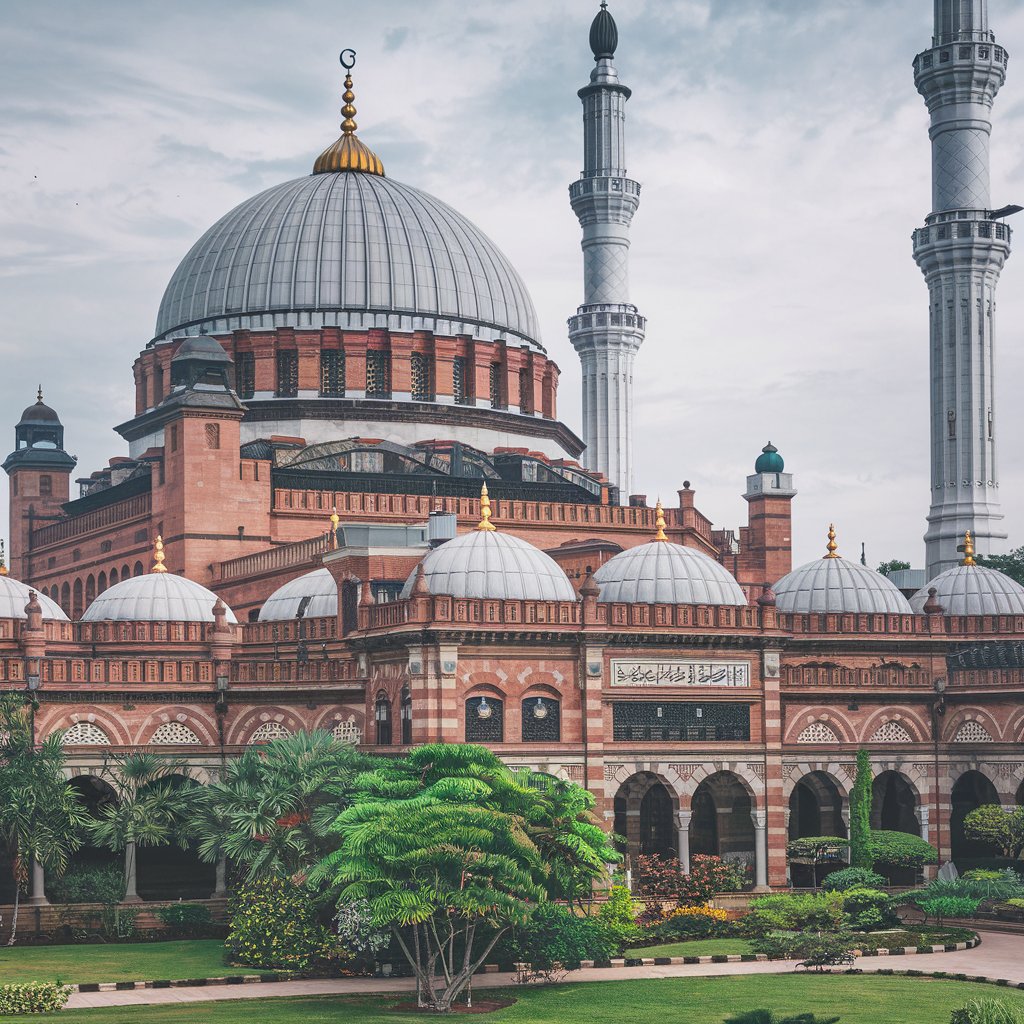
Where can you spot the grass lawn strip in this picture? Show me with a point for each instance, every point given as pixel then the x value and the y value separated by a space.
pixel 134 961
pixel 860 999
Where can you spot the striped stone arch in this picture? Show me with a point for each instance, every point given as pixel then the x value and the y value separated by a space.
pixel 839 772
pixel 953 727
pixel 1014 731
pixel 110 726
pixel 917 774
pixel 911 723
pixel 692 775
pixel 617 775
pixel 247 724
pixel 834 720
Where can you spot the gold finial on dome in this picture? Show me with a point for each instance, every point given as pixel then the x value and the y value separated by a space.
pixel 348 153
pixel 485 511
pixel 659 521
pixel 832 547
pixel 335 519
pixel 158 556
pixel 968 550
pixel 3 560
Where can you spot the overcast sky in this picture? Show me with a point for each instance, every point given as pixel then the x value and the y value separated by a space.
pixel 781 146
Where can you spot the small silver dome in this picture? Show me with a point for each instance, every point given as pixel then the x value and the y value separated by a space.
pixel 155 597
pixel 973 590
pixel 347 250
pixel 488 564
pixel 835 584
pixel 14 595
pixel 314 596
pixel 661 572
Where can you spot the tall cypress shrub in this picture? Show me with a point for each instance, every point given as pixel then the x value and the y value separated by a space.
pixel 860 813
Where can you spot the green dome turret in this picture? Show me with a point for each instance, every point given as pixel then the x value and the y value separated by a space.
pixel 769 461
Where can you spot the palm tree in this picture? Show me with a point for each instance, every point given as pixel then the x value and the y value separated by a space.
pixel 148 809
pixel 40 816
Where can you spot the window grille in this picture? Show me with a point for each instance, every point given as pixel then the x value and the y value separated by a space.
pixel 680 721
pixel 972 732
pixel 421 389
pixel 332 373
pixel 485 720
pixel 348 731
pixel 287 374
pixel 818 732
pixel 173 734
pixel 891 732
pixel 212 431
pixel 245 374
pixel 459 391
pixel 525 391
pixel 269 731
pixel 541 720
pixel 378 375
pixel 495 383
pixel 85 734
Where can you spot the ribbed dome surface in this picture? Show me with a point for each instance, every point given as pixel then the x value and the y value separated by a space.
pixel 661 572
pixel 351 250
pixel 315 594
pixel 838 585
pixel 973 590
pixel 14 597
pixel 496 565
pixel 155 597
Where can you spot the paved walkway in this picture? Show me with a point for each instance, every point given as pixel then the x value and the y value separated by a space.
pixel 999 956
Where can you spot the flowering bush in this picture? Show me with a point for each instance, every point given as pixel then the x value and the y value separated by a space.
pixel 702 922
pixel 274 925
pixel 356 933
pixel 660 876
pixel 33 997
pixel 711 913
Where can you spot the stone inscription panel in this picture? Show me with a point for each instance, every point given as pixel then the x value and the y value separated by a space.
pixel 676 672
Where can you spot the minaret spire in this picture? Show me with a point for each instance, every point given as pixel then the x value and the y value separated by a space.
pixel 961 251
pixel 607 330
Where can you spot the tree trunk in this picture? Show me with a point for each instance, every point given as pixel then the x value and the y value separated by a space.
pixel 17 901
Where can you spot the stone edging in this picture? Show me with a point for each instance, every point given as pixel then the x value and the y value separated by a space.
pixel 655 961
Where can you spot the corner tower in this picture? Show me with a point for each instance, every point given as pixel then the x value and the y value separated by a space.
pixel 607 330
pixel 961 251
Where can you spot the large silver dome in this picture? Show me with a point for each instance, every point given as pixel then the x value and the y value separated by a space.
pixel 155 597
pixel 350 250
pixel 973 590
pixel 312 596
pixel 834 584
pixel 14 595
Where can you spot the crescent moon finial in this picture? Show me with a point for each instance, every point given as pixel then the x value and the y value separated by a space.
pixel 347 59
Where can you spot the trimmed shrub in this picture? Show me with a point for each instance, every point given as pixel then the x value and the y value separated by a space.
pixel 274 925
pixel 33 997
pixel 983 875
pixel 691 923
pixel 804 945
pixel 555 940
pixel 81 884
pixel 941 907
pixel 618 916
pixel 795 912
pixel 869 909
pixel 900 850
pixel 852 878
pixel 186 920
pixel 988 1011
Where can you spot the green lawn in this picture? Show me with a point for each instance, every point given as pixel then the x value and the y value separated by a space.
pixel 136 961
pixel 694 947
pixel 860 999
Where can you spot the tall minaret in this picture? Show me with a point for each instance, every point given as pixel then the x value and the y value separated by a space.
pixel 606 330
pixel 961 251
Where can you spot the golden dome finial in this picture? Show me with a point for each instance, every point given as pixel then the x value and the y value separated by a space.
pixel 3 560
pixel 348 153
pixel 659 521
pixel 832 547
pixel 485 511
pixel 335 519
pixel 968 550
pixel 158 556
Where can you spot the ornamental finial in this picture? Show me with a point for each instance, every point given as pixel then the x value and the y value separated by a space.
pixel 485 511
pixel 335 519
pixel 968 550
pixel 349 153
pixel 39 395
pixel 832 546
pixel 659 521
pixel 158 556
pixel 3 560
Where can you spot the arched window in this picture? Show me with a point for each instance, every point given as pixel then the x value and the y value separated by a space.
pixel 541 720
pixel 90 589
pixel 269 731
pixel 349 606
pixel 76 601
pixel 173 734
pixel 382 716
pixel 485 720
pixel 406 714
pixel 113 576
pixel 65 599
pixel 348 731
pixel 85 734
pixel 138 570
pixel 101 583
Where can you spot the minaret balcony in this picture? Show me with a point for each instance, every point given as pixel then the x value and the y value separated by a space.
pixel 598 185
pixel 959 226
pixel 607 314
pixel 960 53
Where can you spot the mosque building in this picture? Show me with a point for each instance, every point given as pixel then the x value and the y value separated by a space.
pixel 349 504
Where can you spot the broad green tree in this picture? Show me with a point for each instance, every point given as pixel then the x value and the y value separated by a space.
pixel 40 817
pixel 860 813
pixel 149 808
pixel 271 810
pixel 1011 564
pixel 895 565
pixel 451 849
pixel 1002 829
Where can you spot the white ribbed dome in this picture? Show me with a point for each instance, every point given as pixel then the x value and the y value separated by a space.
pixel 315 595
pixel 14 597
pixel 348 250
pixel 838 585
pixel 496 565
pixel 155 597
pixel 973 590
pixel 661 572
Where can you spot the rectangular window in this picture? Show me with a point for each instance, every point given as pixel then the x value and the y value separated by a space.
pixel 174 437
pixel 680 721
pixel 45 486
pixel 212 431
pixel 460 394
pixel 245 374
pixel 378 374
pixel 332 373
pixel 525 391
pixel 495 386
pixel 485 720
pixel 287 373
pixel 422 391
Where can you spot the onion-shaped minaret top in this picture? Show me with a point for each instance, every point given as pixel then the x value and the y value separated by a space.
pixel 604 36
pixel 348 153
